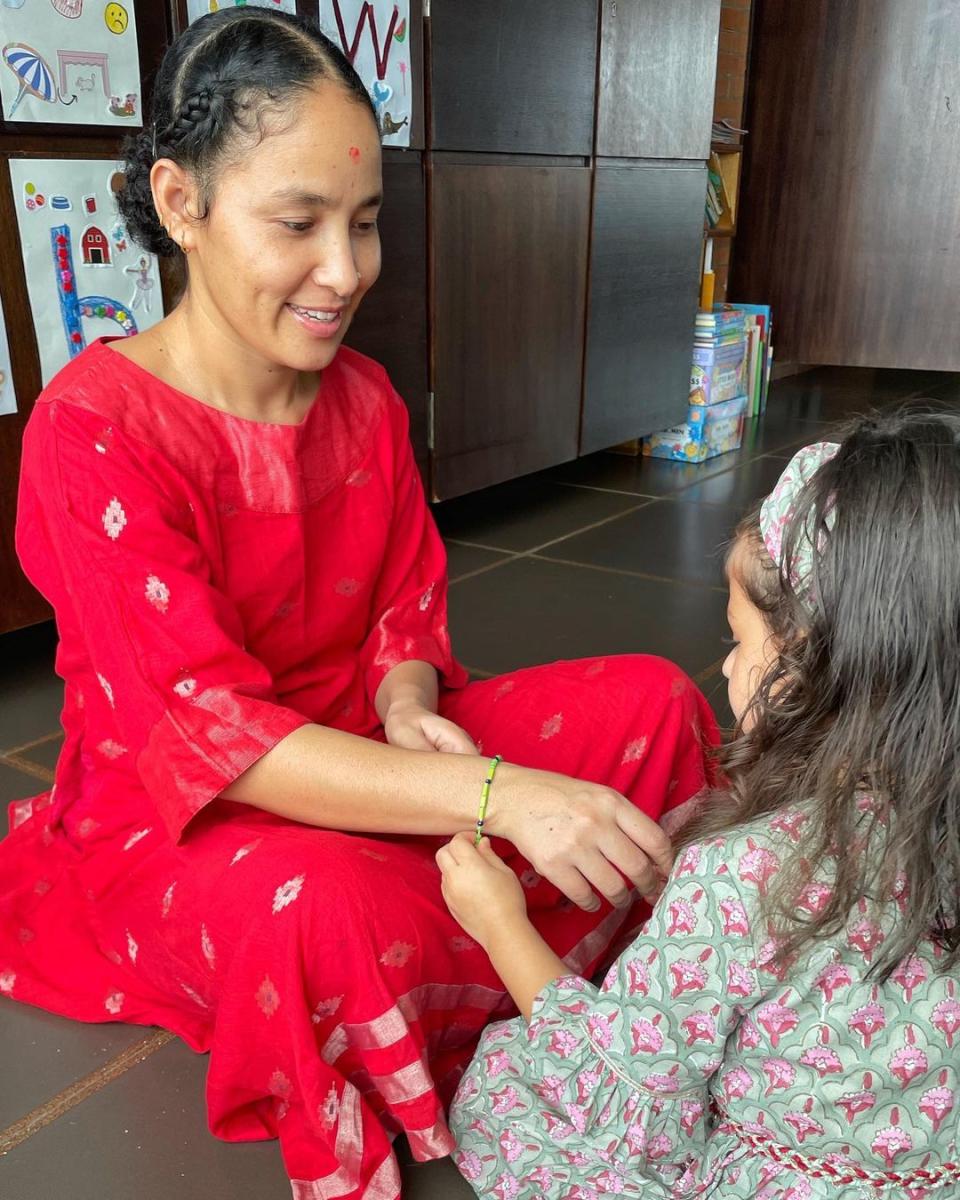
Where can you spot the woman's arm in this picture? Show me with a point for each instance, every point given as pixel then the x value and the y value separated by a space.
pixel 406 703
pixel 408 685
pixel 579 835
pixel 340 780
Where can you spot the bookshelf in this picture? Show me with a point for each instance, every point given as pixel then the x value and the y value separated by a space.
pixel 723 191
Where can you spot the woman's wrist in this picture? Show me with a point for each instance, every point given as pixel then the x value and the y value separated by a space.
pixel 409 685
pixel 496 818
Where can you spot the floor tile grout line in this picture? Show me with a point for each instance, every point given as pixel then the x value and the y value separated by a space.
pixel 481 546
pixel 591 487
pixel 708 673
pixel 40 741
pixel 82 1089
pixel 532 550
pixel 27 768
pixel 483 570
pixel 569 562
pixel 647 501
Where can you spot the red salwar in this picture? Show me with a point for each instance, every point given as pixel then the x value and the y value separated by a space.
pixel 218 583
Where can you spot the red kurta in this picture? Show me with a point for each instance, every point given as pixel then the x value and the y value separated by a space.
pixel 218 583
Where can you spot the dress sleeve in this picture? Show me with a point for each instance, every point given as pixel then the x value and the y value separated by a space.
pixel 625 1069
pixel 113 547
pixel 409 614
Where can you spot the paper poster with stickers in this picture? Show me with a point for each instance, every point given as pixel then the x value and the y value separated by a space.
pixel 70 62
pixel 85 277
pixel 375 36
pixel 8 399
pixel 199 8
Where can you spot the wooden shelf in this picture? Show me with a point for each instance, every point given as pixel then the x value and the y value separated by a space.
pixel 726 147
pixel 730 232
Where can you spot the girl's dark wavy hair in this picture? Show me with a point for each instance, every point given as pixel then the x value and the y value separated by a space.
pixel 218 88
pixel 864 694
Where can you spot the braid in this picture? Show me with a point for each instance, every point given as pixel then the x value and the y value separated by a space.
pixel 199 118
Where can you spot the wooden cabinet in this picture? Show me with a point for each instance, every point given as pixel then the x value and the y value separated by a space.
pixel 510 270
pixel 658 65
pixel 513 76
pixel 391 323
pixel 644 280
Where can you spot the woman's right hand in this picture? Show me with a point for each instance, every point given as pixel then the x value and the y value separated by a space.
pixel 582 836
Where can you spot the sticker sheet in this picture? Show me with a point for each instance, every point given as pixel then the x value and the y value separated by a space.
pixel 70 62
pixel 85 278
pixel 8 399
pixel 200 8
pixel 375 36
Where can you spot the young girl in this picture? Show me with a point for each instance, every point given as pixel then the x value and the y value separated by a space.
pixel 787 1024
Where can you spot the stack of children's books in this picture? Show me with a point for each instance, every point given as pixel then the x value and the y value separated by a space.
pixel 732 355
pixel 758 356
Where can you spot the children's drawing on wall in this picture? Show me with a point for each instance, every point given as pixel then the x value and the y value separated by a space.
pixel 85 278
pixel 8 400
pixel 72 62
pixel 199 8
pixel 375 36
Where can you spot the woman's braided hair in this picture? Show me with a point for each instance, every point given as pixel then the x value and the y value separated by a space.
pixel 217 85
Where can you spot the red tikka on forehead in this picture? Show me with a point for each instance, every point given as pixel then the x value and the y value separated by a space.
pixel 355 153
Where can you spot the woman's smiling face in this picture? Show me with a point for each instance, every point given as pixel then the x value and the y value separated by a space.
pixel 290 246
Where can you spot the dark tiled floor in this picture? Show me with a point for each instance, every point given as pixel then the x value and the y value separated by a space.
pixel 607 554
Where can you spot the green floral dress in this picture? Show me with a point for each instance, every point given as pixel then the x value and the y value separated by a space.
pixel 702 1068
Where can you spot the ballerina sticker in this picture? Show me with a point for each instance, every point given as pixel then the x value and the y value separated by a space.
pixel 143 283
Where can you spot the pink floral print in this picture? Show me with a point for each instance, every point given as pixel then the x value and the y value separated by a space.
pixel 699 1049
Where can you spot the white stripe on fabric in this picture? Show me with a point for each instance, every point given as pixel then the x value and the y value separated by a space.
pixel 435 1142
pixel 384 1184
pixel 394 1024
pixel 405 1084
pixel 349 1147
pixel 385 1181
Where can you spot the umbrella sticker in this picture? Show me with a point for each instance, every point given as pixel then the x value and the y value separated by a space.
pixel 33 74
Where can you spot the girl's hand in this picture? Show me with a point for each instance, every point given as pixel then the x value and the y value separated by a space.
pixel 582 836
pixel 413 727
pixel 480 889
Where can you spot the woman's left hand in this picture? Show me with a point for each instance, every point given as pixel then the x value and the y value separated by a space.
pixel 480 889
pixel 413 727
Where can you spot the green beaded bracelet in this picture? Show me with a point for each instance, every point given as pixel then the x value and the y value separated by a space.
pixel 485 796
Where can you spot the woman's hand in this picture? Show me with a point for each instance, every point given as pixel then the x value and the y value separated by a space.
pixel 480 889
pixel 413 727
pixel 581 836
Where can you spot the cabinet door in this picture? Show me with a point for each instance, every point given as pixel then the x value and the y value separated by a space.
pixel 644 276
pixel 391 323
pixel 514 76
pixel 510 255
pixel 658 66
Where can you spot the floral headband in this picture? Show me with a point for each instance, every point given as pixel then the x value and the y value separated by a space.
pixel 780 506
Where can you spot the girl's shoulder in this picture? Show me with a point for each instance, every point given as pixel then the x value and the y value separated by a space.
pixel 760 846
